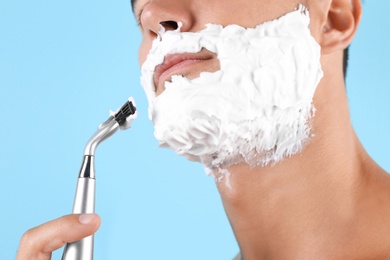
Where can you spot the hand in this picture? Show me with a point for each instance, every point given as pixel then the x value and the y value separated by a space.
pixel 38 243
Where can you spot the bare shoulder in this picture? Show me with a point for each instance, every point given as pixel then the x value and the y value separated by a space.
pixel 372 226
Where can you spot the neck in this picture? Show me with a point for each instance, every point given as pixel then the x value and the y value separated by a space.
pixel 305 202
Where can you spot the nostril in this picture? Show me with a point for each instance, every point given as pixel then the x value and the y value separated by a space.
pixel 170 25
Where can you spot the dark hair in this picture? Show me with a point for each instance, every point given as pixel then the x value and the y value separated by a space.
pixel 345 61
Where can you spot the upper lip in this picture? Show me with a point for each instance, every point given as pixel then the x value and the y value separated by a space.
pixel 174 60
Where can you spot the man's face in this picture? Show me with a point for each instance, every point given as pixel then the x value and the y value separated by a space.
pixel 255 105
pixel 194 14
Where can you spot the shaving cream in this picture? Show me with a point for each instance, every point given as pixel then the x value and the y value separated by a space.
pixel 256 109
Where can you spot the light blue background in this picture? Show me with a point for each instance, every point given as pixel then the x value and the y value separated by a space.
pixel 63 65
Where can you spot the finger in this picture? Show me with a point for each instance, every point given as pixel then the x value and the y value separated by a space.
pixel 39 242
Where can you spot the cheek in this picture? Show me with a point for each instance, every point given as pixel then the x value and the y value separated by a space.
pixel 318 20
pixel 143 51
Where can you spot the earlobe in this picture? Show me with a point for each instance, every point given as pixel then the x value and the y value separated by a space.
pixel 342 22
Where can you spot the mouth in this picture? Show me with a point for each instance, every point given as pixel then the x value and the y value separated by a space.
pixel 189 65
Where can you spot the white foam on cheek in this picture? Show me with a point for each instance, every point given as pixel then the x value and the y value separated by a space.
pixel 255 109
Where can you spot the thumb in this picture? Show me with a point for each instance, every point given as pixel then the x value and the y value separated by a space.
pixel 41 241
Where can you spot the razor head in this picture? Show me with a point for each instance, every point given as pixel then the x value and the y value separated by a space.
pixel 124 112
pixel 121 119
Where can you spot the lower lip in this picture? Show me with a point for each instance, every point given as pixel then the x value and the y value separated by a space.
pixel 166 75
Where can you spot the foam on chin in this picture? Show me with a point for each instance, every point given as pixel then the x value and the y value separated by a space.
pixel 255 109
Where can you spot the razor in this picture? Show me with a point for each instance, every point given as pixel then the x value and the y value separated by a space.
pixel 84 201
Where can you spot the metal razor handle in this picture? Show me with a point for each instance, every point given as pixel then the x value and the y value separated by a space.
pixel 84 202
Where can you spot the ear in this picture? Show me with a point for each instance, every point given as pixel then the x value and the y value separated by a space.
pixel 341 25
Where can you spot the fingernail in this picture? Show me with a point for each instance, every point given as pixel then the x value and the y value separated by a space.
pixel 86 218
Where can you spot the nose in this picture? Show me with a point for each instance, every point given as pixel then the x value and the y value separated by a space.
pixel 167 13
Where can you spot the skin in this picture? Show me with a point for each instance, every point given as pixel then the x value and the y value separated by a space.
pixel 38 243
pixel 329 202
